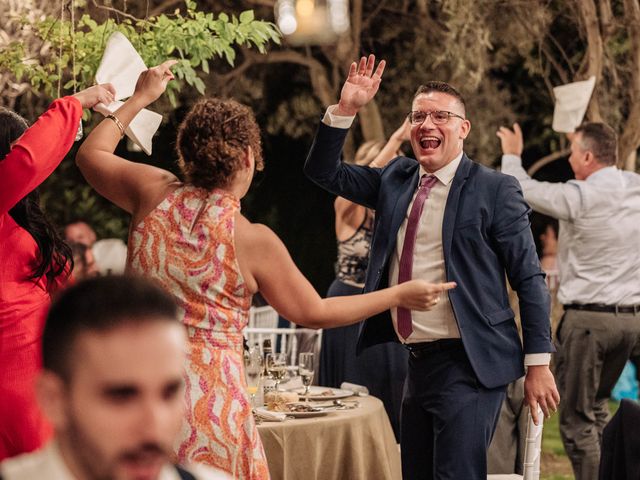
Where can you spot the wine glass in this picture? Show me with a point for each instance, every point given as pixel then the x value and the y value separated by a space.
pixel 253 369
pixel 277 366
pixel 305 369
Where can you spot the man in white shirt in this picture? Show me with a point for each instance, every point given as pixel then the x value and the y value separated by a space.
pixel 599 271
pixel 112 386
pixel 443 218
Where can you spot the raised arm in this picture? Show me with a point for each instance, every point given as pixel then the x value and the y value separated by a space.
pixel 37 153
pixel 558 200
pixel 129 185
pixel 265 261
pixel 390 149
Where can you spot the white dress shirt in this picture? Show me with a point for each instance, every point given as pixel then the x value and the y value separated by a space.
pixel 428 263
pixel 428 260
pixel 598 253
pixel 48 464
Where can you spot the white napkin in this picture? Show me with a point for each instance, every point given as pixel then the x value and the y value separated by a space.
pixel 358 390
pixel 269 416
pixel 110 255
pixel 572 101
pixel 121 66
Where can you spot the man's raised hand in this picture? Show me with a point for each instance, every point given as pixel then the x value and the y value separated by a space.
pixel 361 85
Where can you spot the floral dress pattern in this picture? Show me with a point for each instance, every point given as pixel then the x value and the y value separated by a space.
pixel 187 244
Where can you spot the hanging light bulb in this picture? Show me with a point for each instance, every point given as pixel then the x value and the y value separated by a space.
pixel 306 22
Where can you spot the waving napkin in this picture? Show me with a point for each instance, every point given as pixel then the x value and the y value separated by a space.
pixel 572 101
pixel 121 66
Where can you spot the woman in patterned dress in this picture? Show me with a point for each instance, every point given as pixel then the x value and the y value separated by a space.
pixel 192 238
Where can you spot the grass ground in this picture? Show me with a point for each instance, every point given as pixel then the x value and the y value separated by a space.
pixel 554 463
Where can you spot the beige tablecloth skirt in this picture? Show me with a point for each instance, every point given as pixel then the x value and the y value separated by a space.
pixel 349 444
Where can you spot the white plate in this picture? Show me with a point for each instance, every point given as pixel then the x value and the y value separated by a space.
pixel 319 413
pixel 315 393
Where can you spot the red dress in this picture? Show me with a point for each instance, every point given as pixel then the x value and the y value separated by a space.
pixel 24 302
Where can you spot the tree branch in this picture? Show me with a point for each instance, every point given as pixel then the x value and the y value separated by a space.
pixel 164 6
pixel 630 137
pixel 595 49
pixel 552 157
pixel 119 12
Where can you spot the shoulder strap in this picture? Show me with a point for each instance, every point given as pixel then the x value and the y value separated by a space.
pixel 184 475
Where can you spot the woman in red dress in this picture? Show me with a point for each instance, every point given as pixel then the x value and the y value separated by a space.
pixel 34 260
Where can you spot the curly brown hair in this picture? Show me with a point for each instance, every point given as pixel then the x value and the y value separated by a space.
pixel 212 139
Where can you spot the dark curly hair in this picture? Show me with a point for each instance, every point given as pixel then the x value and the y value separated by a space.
pixel 54 255
pixel 212 139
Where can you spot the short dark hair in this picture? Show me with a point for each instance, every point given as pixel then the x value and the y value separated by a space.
pixel 442 87
pixel 601 140
pixel 99 305
pixel 212 139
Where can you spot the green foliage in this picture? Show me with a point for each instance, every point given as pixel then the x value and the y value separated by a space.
pixel 193 38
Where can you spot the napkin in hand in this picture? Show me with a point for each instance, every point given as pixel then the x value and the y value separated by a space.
pixel 121 66
pixel 572 101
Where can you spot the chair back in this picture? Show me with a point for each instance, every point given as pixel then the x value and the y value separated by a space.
pixel 532 451
pixel 285 339
pixel 263 317
pixel 533 448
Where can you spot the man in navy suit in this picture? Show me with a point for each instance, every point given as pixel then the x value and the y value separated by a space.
pixel 445 218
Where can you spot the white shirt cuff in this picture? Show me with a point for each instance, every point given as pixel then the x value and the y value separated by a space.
pixel 537 359
pixel 511 161
pixel 336 121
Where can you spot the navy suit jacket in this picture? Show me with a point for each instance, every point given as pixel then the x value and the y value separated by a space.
pixel 485 234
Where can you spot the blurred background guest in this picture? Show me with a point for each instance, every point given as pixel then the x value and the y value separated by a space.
pixel 79 231
pixel 382 368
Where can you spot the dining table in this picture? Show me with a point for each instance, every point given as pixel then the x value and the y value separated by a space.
pixel 356 443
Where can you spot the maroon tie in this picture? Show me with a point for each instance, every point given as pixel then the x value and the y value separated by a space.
pixel 406 259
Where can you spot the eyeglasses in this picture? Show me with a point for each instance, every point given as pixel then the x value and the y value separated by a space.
pixel 438 117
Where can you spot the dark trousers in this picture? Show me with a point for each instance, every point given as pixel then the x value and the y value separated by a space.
pixel 448 418
pixel 593 348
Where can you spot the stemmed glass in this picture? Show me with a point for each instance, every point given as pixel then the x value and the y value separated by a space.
pixel 253 369
pixel 305 370
pixel 277 366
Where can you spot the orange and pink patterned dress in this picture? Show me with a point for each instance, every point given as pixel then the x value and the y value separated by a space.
pixel 187 244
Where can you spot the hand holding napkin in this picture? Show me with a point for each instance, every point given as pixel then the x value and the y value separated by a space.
pixel 121 66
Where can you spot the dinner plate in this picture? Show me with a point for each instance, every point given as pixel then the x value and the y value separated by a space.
pixel 319 413
pixel 316 393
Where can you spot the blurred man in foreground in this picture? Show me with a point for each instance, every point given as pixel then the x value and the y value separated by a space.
pixel 113 354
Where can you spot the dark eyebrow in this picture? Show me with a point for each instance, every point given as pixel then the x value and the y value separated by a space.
pixel 172 387
pixel 120 391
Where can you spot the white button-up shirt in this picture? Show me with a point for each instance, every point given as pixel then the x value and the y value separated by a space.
pixel 598 252
pixel 428 260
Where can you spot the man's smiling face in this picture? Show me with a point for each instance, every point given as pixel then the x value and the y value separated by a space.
pixel 436 145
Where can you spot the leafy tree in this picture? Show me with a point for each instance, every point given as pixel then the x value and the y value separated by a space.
pixel 48 55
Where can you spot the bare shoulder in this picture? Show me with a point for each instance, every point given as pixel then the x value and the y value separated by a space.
pixel 254 235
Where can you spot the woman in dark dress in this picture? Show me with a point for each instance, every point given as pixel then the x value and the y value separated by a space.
pixel 381 368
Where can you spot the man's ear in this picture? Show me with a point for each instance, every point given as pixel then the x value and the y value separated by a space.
pixel 465 128
pixel 51 393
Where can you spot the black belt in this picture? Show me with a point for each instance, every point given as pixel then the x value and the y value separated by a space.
pixel 601 307
pixel 422 349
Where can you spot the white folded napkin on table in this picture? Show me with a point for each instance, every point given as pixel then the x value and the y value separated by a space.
pixel 358 390
pixel 121 66
pixel 572 101
pixel 269 416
